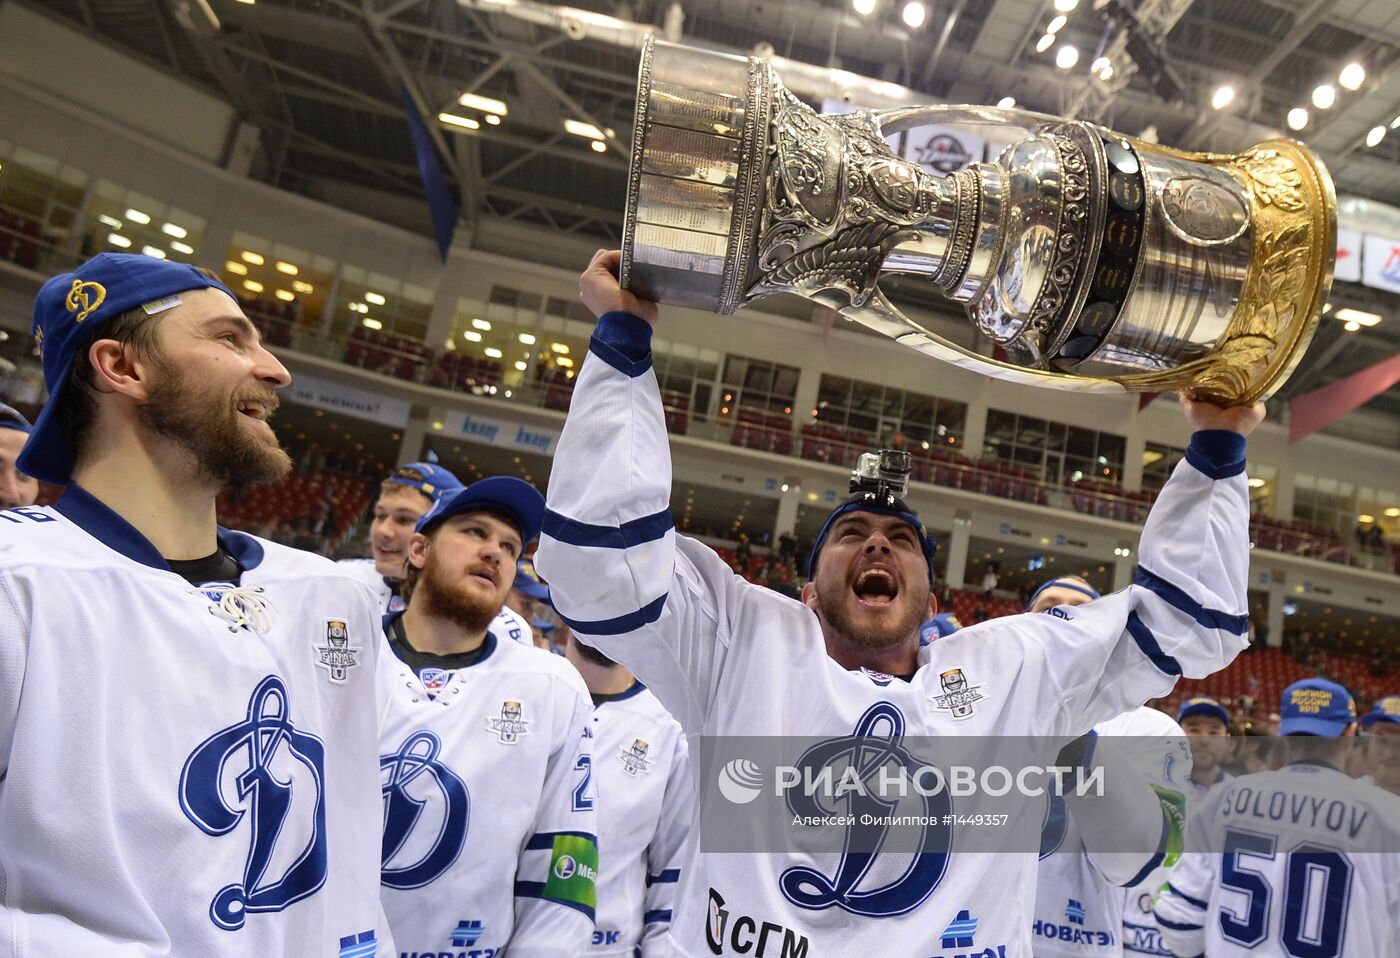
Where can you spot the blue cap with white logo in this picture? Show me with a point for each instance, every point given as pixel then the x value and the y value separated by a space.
pixel 426 477
pixel 514 497
pixel 1316 707
pixel 1385 710
pixel 1203 705
pixel 69 313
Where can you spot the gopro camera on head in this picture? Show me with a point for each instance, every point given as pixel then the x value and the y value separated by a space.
pixel 882 476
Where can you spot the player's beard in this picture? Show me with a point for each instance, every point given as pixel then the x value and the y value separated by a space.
pixel 206 426
pixel 445 599
pixel 838 617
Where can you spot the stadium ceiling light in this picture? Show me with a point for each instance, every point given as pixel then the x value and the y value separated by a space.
pixel 1352 76
pixel 1365 518
pixel 136 216
pixel 285 295
pixel 1348 315
pixel 1106 73
pixel 914 14
pixel 485 104
pixel 863 7
pixel 1375 135
pixel 289 268
pixel 1066 57
pixel 527 338
pixel 579 128
pixel 463 122
pixel 1006 103
pixel 493 352
pixel 482 325
pixel 170 229
pixel 369 322
pixel 1045 43
pixel 117 239
pixel 1297 118
pixel 598 146
pixel 560 348
pixel 375 298
pixel 520 364
pixel 179 247
pixel 493 120
pixel 252 286
pixel 1393 512
pixel 1222 97
pixel 248 256
pixel 116 224
pixel 301 287
pixel 153 251
pixel 1065 6
pixel 1324 96
pixel 564 361
pixel 1352 327
pixel 1100 64
pixel 471 336
pixel 1056 24
pixel 235 267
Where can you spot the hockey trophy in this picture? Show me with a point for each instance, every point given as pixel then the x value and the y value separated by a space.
pixel 1097 262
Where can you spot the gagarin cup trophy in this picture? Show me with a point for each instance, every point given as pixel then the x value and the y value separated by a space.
pixel 1098 262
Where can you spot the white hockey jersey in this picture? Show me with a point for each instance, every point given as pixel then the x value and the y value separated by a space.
pixel 489 810
pixel 1302 861
pixel 1079 910
pixel 731 659
pixel 646 797
pixel 509 624
pixel 187 771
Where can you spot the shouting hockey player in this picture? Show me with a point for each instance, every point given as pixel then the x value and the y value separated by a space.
pixel 486 760
pixel 730 659
pixel 190 764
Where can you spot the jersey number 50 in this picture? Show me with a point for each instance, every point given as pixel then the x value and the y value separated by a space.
pixel 1311 928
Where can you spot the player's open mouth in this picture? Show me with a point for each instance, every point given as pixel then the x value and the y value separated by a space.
pixel 486 576
pixel 875 587
pixel 258 409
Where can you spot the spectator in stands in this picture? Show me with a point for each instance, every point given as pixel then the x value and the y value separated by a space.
pixel 989 579
pixel 787 548
pixel 743 552
pixel 1205 720
pixel 1253 750
pixel 16 489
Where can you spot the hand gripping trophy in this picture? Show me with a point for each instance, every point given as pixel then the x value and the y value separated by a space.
pixel 1097 262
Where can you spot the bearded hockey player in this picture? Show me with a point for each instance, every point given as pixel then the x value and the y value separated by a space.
pixel 189 762
pixel 730 659
pixel 486 756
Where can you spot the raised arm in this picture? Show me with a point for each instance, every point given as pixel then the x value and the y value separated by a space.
pixel 618 574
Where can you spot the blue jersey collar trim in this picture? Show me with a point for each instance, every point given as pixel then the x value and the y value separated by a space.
pixel 98 520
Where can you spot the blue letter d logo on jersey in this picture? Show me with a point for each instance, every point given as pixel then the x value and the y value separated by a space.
pixel 878 742
pixel 244 756
pixel 404 804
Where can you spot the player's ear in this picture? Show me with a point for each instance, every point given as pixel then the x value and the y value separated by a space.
pixel 117 369
pixel 809 596
pixel 418 550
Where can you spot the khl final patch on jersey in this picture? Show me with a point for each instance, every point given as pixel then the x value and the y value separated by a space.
pixel 511 725
pixel 337 656
pixel 634 760
pixel 958 696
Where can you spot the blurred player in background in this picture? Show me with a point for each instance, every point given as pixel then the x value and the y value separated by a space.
pixel 1302 862
pixel 730 658
pixel 486 750
pixel 191 763
pixel 16 489
pixel 646 797
pixel 527 593
pixel 1100 854
pixel 409 492
pixel 1208 723
pixel 1382 726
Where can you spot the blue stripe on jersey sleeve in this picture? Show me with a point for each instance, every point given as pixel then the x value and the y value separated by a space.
pixel 632 533
pixel 619 625
pixel 657 916
pixel 1147 642
pixel 1219 453
pixel 1178 599
pixel 623 341
pixel 669 875
pixel 545 840
pixel 535 889
pixel 1187 898
pixel 1176 925
pixel 1157 858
